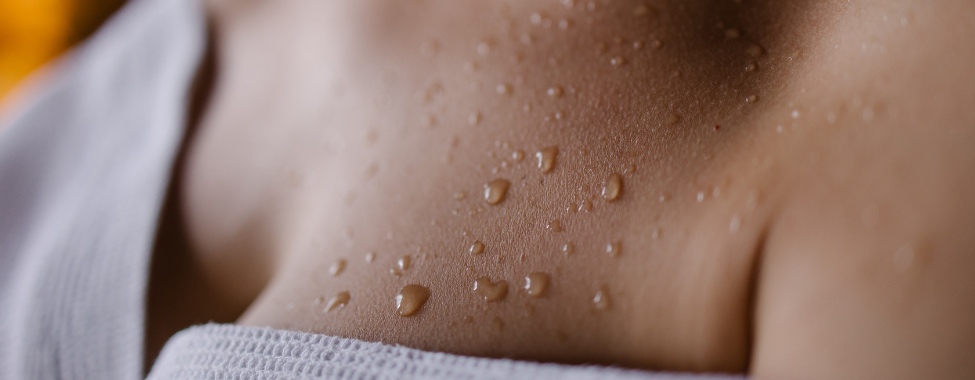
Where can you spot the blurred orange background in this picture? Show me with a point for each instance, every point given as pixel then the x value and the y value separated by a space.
pixel 33 32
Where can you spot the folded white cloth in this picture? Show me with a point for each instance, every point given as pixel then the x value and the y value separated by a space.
pixel 239 352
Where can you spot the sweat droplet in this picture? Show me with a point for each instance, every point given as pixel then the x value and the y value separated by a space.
pixel 601 300
pixel 474 118
pixel 613 187
pixel 751 99
pixel 459 195
pixel 613 249
pixel 754 50
pixel 536 284
pixel 518 155
pixel 491 291
pixel 546 158
pixel 476 248
pixel 495 191
pixel 554 226
pixel 403 263
pixel 370 257
pixel 555 91
pixel 671 119
pixel 411 298
pixel 585 206
pixel 568 248
pixel 337 267
pixel 503 89
pixel 338 301
pixel 617 61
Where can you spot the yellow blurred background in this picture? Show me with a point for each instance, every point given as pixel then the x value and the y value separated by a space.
pixel 33 32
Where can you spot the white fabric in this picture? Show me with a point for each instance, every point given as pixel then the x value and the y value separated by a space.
pixel 239 352
pixel 84 165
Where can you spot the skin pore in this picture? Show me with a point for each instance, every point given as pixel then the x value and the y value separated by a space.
pixel 795 201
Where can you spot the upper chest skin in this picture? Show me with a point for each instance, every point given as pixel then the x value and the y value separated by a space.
pixel 388 119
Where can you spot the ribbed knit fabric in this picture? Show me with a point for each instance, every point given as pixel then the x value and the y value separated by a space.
pixel 239 352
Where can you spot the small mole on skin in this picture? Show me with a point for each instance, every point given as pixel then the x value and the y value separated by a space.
pixel 411 298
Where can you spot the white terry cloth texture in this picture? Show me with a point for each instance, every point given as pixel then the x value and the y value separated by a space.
pixel 238 352
pixel 84 166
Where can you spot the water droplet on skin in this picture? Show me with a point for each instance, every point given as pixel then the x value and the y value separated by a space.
pixel 795 114
pixel 319 300
pixel 735 224
pixel 572 207
pixel 568 248
pixel 470 68
pixel 601 300
pixel 496 190
pixel 732 33
pixel 641 10
pixel 795 55
pixel 337 267
pixel 904 259
pixel 554 226
pixel 868 114
pixel 613 249
pixel 403 263
pixel 568 3
pixel 754 50
pixel 518 155
pixel 477 248
pixel 395 272
pixel 459 195
pixel 498 323
pixel 751 66
pixel 700 196
pixel 503 89
pixel 555 91
pixel 637 45
pixel 468 319
pixel 483 49
pixel 474 118
pixel 613 187
pixel 546 158
pixel 536 284
pixel 656 233
pixel 617 61
pixel 491 291
pixel 340 300
pixel 585 206
pixel 778 129
pixel 671 119
pixel 630 169
pixel 600 48
pixel 564 24
pixel 428 121
pixel 535 18
pixel 751 99
pixel 370 257
pixel 411 298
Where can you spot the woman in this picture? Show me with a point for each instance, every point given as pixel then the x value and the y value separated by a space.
pixel 778 190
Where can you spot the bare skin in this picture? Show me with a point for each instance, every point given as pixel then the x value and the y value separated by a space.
pixel 796 178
